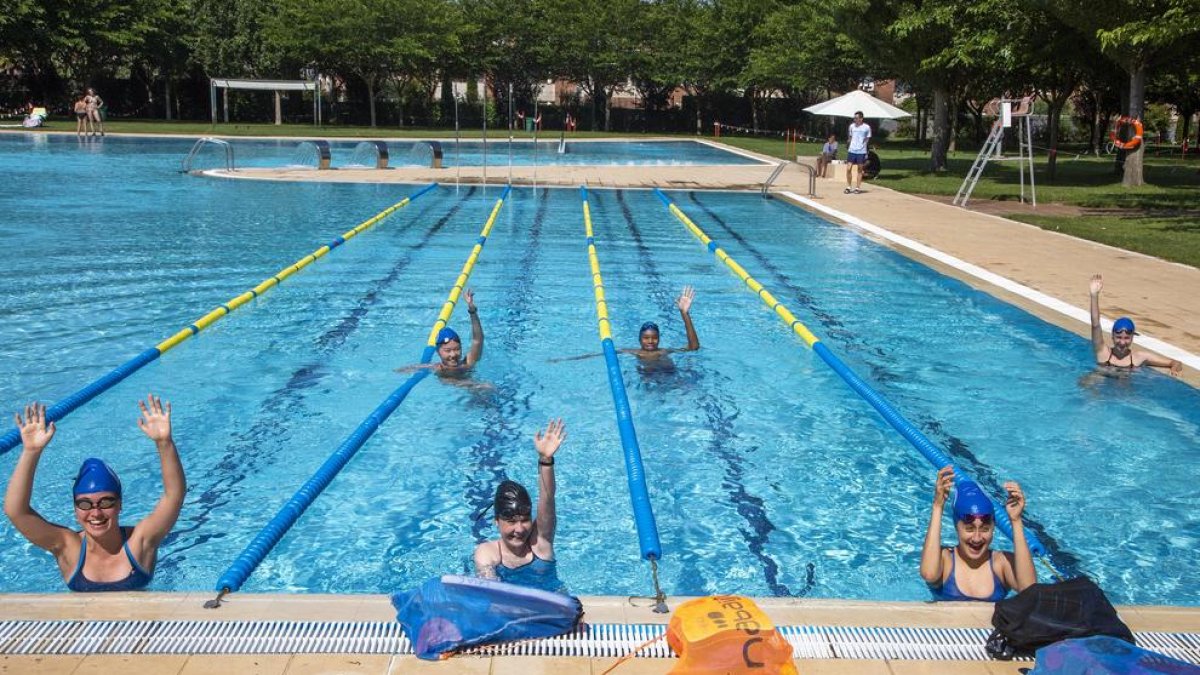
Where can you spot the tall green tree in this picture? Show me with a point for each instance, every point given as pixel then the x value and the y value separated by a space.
pixel 1136 35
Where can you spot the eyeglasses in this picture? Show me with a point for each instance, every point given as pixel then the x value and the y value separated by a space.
pixel 85 504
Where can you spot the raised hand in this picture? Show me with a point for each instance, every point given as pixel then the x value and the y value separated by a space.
pixel 1096 285
pixel 469 296
pixel 35 433
pixel 684 301
pixel 1015 504
pixel 941 487
pixel 547 443
pixel 155 421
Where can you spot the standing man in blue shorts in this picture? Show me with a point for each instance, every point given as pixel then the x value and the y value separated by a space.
pixel 856 152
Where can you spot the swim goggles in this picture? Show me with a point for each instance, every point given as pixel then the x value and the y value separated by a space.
pixel 85 504
pixel 985 518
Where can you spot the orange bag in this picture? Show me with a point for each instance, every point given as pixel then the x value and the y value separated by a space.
pixel 727 634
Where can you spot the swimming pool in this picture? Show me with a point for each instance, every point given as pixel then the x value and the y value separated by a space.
pixel 767 475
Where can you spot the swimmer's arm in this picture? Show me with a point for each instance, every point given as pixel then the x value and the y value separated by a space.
pixel 156 424
pixel 931 550
pixel 485 562
pixel 547 444
pixel 31 525
pixel 1023 570
pixel 684 303
pixel 1173 366
pixel 1098 345
pixel 476 337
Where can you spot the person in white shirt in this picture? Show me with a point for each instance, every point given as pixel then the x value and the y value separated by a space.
pixel 856 153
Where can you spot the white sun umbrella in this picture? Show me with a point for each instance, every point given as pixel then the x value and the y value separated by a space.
pixel 848 104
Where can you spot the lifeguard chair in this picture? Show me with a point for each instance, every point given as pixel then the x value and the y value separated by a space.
pixel 1006 111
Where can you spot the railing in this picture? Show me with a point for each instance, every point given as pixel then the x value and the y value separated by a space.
pixel 812 178
pixel 186 166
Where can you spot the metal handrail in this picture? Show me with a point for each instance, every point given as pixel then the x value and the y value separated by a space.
pixel 186 165
pixel 812 177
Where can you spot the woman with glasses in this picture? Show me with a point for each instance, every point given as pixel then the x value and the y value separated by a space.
pixel 971 570
pixel 102 555
pixel 1122 354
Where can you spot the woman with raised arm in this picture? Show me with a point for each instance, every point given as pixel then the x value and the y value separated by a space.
pixel 101 555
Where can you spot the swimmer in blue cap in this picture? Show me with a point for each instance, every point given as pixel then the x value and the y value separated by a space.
pixel 102 555
pixel 971 570
pixel 653 357
pixel 524 553
pixel 449 347
pixel 1122 354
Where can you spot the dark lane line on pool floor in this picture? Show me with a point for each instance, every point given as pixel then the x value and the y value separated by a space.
pixel 245 454
pixel 722 412
pixel 1066 562
pixel 506 408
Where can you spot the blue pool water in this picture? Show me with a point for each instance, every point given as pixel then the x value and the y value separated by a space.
pixel 259 153
pixel 767 475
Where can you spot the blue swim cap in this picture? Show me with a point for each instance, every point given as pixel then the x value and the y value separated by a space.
pixel 96 476
pixel 971 503
pixel 649 325
pixel 1124 323
pixel 447 335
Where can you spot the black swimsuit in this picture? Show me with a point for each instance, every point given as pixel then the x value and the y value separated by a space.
pixel 1109 362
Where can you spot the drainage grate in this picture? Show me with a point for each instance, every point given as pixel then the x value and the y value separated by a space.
pixel 596 641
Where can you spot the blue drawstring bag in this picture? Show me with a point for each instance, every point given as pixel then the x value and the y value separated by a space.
pixel 1101 655
pixel 455 612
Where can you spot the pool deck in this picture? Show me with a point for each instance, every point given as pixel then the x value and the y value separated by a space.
pixel 1044 272
pixel 602 609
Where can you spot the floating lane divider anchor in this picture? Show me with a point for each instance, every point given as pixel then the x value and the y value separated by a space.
pixel 252 556
pixel 918 440
pixel 66 406
pixel 643 514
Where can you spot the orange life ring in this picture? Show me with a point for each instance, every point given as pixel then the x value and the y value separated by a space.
pixel 1134 141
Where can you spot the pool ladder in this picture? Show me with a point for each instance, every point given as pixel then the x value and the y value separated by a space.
pixel 812 178
pixel 186 166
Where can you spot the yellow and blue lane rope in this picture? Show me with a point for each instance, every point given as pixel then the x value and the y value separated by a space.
pixel 643 513
pixel 890 414
pixel 66 406
pixel 258 549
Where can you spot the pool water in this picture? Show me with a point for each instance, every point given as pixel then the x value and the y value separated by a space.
pixel 767 475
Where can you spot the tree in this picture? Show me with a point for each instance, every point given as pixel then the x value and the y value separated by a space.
pixel 590 42
pixel 1135 35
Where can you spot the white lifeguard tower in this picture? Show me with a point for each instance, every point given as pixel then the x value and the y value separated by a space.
pixel 1006 111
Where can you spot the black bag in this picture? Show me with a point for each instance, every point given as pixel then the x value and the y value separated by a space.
pixel 1047 613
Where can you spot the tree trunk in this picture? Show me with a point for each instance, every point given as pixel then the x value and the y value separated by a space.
pixel 1133 160
pixel 953 143
pixel 1052 124
pixel 371 96
pixel 167 97
pixel 1096 128
pixel 941 128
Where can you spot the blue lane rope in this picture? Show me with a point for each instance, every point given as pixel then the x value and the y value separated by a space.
pixel 66 406
pixel 257 550
pixel 643 513
pixel 890 414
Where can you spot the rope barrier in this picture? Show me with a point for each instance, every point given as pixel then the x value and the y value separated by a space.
pixel 643 513
pixel 254 553
pixel 893 417
pixel 66 406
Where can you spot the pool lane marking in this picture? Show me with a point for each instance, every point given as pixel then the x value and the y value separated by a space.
pixel 639 494
pixel 64 407
pixel 751 508
pixel 1030 294
pixel 956 447
pixel 890 414
pixel 249 450
pixel 270 535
